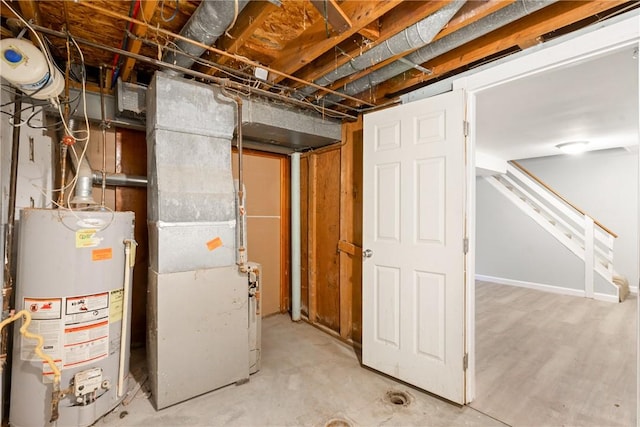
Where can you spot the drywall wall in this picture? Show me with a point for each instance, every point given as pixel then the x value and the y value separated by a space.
pixel 605 185
pixel 512 246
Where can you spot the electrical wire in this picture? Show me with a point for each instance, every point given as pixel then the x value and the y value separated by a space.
pixel 45 51
pixel 175 12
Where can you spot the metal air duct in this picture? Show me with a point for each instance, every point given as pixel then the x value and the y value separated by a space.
pixel 210 20
pixel 456 39
pixel 411 38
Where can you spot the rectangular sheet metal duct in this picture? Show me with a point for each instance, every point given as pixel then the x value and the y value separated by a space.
pixel 198 301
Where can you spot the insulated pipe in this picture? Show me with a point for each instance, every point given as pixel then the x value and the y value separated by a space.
pixel 502 17
pixel 295 237
pixel 411 38
pixel 7 286
pixel 210 20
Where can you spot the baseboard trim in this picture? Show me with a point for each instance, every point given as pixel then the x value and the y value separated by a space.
pixel 633 290
pixel 606 297
pixel 547 288
pixel 532 285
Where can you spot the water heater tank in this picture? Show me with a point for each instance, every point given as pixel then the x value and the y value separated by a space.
pixel 71 275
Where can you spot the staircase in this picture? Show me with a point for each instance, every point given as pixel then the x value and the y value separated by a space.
pixel 589 240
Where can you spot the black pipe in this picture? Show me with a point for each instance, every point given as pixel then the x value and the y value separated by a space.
pixel 7 287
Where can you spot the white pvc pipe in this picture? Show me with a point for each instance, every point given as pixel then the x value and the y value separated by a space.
pixel 295 237
pixel 125 315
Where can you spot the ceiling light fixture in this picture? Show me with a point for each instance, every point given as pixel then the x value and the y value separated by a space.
pixel 574 147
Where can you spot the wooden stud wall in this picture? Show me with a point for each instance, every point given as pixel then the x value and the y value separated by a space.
pixel 131 158
pixel 304 236
pixel 331 199
pixel 350 244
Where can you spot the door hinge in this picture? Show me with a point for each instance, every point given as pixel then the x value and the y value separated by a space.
pixel 465 125
pixel 465 245
pixel 465 361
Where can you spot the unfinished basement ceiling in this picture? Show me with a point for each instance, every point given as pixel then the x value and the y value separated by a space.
pixel 279 48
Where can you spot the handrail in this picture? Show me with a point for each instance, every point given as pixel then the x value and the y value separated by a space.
pixel 558 195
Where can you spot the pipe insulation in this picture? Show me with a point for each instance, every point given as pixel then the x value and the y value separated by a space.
pixel 498 19
pixel 411 38
pixel 295 237
pixel 210 20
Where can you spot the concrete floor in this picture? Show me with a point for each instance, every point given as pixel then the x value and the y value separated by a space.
pixel 308 378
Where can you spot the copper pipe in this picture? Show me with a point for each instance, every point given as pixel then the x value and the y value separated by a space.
pixel 103 126
pixel 219 52
pixel 65 117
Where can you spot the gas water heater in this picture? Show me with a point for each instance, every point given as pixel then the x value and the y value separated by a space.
pixel 74 277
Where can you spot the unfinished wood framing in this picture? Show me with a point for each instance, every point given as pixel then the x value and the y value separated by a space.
pixel 285 234
pixel 131 159
pixel 331 199
pixel 312 232
pixel 304 236
pixel 350 244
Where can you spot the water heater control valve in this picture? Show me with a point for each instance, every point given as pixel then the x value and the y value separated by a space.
pixel 86 382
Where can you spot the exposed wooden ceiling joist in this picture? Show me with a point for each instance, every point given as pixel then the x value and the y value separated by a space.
pixel 293 40
pixel 466 16
pixel 148 9
pixel 333 14
pixel 396 20
pixel 314 42
pixel 252 17
pixel 530 27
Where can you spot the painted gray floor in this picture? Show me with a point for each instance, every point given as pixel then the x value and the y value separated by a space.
pixel 308 378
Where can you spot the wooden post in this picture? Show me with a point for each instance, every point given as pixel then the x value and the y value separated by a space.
pixel 350 245
pixel 312 240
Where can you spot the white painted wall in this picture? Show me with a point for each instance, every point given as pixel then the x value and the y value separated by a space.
pixel 512 246
pixel 605 185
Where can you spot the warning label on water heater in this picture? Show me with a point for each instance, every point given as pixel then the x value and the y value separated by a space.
pixel 46 321
pixel 86 329
pixel 75 329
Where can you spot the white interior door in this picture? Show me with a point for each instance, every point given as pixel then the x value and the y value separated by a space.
pixel 413 272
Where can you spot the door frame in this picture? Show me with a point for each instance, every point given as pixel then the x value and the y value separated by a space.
pixel 593 41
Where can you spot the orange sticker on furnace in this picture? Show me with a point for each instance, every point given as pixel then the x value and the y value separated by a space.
pixel 214 244
pixel 101 254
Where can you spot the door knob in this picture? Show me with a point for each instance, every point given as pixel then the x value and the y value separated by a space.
pixel 367 253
